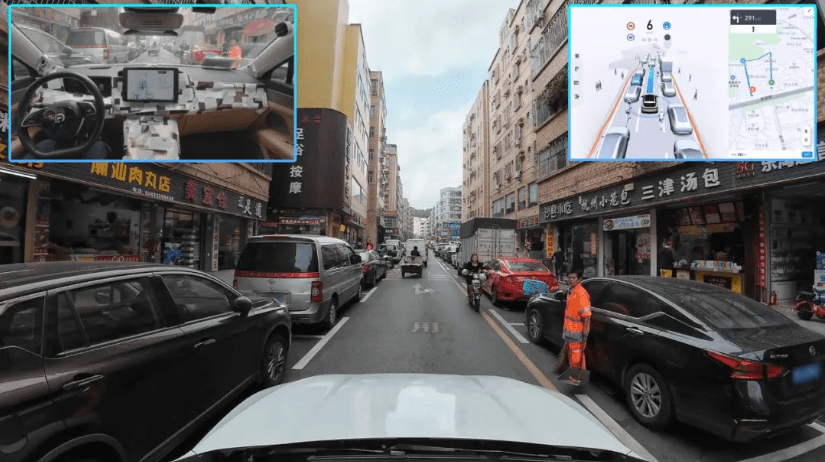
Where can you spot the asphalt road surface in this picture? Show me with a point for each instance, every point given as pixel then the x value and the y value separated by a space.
pixel 426 326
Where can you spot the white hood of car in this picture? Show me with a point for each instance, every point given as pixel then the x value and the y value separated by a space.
pixel 374 406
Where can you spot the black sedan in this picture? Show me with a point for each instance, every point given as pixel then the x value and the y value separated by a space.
pixel 118 361
pixel 696 353
pixel 373 267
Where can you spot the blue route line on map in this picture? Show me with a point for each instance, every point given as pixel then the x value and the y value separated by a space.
pixel 745 63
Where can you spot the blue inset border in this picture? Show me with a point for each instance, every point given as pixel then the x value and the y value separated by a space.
pixel 295 15
pixel 775 6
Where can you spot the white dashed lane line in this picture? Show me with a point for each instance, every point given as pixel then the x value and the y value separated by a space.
pixel 508 326
pixel 365 297
pixel 314 351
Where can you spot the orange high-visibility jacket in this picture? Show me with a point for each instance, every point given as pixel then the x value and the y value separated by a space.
pixel 578 308
pixel 235 52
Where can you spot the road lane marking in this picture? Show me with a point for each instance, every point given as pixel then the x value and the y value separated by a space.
pixel 520 355
pixel 368 294
pixel 507 326
pixel 793 451
pixel 314 351
pixel 516 323
pixel 638 118
pixel 307 336
pixel 692 123
pixel 620 433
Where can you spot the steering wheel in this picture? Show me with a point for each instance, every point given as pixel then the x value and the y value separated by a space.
pixel 62 121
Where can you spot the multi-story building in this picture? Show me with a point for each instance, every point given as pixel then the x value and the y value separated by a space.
pixel 392 216
pixel 514 190
pixel 448 213
pixel 326 190
pixel 476 154
pixel 421 227
pixel 378 160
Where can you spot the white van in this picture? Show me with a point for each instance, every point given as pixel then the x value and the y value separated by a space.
pixel 410 244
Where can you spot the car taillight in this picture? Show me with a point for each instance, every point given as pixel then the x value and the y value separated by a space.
pixel 748 370
pixel 365 269
pixel 317 291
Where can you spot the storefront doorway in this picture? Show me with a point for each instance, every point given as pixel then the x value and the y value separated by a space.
pixel 627 252
pixel 183 235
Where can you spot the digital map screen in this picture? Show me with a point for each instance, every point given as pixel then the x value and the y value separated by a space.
pixel 150 85
pixel 692 82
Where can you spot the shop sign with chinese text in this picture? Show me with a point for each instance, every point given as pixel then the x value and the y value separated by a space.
pixel 158 183
pixel 683 182
pixel 636 221
pixel 315 180
pixel 528 222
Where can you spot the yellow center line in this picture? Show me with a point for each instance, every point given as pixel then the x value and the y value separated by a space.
pixel 520 355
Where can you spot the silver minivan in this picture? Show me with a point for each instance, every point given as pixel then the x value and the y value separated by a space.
pixel 313 275
pixel 103 46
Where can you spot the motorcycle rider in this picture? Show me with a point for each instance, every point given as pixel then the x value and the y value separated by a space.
pixel 472 266
pixel 415 252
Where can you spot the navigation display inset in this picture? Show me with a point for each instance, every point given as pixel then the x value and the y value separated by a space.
pixel 693 83
pixel 150 84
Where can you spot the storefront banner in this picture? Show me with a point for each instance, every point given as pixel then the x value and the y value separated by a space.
pixel 637 221
pixel 683 182
pixel 703 230
pixel 158 183
pixel 316 180
pixel 550 244
pixel 763 249
pixel 451 228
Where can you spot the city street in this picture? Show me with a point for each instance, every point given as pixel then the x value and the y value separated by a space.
pixel 426 326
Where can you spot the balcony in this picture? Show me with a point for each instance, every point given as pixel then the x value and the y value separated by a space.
pixel 553 99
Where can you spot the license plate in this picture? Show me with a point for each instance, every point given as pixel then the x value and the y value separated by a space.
pixel 280 297
pixel 801 375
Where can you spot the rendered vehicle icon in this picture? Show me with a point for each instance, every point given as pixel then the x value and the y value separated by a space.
pixel 614 144
pixel 650 104
pixel 679 122
pixel 687 149
pixel 633 93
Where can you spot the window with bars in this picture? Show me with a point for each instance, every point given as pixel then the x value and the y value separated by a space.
pixel 534 194
pixel 522 198
pixel 510 200
pixel 553 158
pixel 498 208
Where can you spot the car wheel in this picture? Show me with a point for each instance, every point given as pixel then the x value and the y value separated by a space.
pixel 648 396
pixel 494 296
pixel 804 314
pixel 357 298
pixel 273 364
pixel 535 327
pixel 332 314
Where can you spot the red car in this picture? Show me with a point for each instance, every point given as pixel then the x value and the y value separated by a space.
pixel 199 54
pixel 506 278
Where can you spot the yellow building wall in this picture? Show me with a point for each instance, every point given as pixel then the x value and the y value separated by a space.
pixel 321 29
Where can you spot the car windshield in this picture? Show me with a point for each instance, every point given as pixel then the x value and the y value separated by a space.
pixel 727 310
pixel 516 266
pixel 365 256
pixel 231 32
pixel 279 257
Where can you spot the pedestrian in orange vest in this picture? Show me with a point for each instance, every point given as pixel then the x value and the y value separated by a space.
pixel 576 323
pixel 235 52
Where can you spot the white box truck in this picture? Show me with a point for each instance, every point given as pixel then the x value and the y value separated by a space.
pixel 488 237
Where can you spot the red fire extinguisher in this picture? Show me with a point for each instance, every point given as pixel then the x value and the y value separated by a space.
pixel 773 298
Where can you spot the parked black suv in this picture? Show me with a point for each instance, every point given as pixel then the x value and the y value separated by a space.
pixel 120 362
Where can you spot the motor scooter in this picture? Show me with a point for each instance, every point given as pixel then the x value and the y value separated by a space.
pixel 810 303
pixel 475 292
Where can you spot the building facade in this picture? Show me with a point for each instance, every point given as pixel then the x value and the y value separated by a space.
pixel 513 185
pixel 325 190
pixel 476 162
pixel 378 160
pixel 421 227
pixel 448 214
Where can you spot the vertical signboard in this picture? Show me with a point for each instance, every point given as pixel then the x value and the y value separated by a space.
pixel 550 243
pixel 763 249
pixel 216 236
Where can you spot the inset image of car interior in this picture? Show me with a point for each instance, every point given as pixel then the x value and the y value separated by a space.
pixel 153 84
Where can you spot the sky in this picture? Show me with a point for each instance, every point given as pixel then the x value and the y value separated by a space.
pixel 434 56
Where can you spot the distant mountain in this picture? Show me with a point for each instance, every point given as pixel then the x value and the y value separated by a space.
pixel 421 213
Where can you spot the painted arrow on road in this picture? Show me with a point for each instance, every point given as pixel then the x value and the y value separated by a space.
pixel 419 290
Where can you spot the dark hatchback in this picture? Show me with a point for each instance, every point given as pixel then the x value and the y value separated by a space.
pixel 696 353
pixel 373 267
pixel 121 362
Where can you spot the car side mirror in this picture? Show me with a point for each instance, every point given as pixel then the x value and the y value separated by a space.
pixel 355 259
pixel 283 28
pixel 242 305
pixel 560 296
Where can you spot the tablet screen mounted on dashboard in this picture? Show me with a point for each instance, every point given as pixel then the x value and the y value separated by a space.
pixel 150 84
